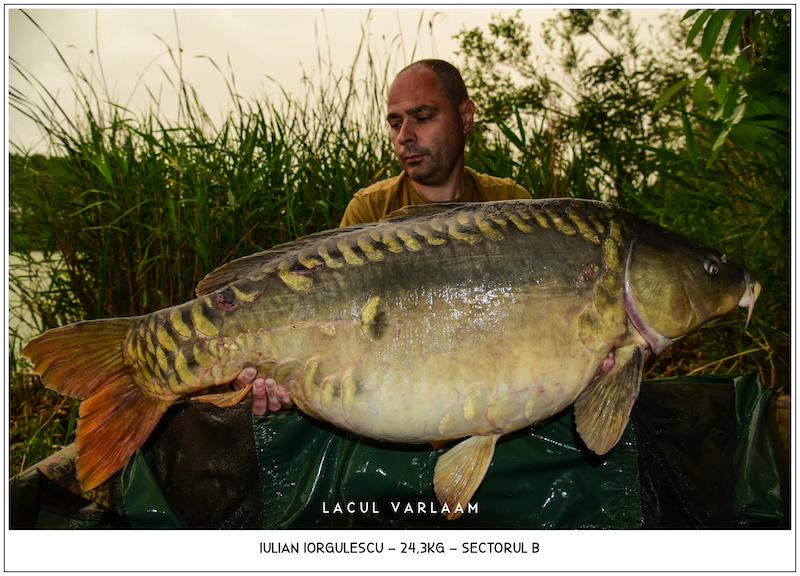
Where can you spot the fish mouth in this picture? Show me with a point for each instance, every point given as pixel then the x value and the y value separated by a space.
pixel 750 296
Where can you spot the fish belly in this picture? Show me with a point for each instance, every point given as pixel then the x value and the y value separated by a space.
pixel 456 367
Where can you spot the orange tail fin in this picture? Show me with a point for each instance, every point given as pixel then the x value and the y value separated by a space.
pixel 85 360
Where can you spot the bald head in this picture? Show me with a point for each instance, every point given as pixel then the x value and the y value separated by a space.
pixel 450 81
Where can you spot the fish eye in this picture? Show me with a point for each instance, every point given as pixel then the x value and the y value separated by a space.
pixel 711 266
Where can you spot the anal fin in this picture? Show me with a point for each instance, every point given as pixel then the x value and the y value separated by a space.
pixel 460 471
pixel 602 410
pixel 223 399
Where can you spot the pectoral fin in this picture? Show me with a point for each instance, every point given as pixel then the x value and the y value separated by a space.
pixel 459 472
pixel 225 398
pixel 602 410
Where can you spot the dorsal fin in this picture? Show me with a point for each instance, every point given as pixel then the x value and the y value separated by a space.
pixel 241 267
pixel 235 269
pixel 418 209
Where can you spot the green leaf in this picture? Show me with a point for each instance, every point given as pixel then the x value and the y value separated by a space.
pixel 719 142
pixel 688 132
pixel 697 26
pixel 721 87
pixel 744 135
pixel 689 14
pixel 104 170
pixel 743 64
pixel 669 93
pixel 737 114
pixel 701 94
pixel 509 133
pixel 732 39
pixel 711 33
pixel 730 120
pixel 755 28
pixel 729 107
pixel 766 81
pixel 769 29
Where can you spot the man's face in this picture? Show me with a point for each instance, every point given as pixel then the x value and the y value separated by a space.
pixel 427 133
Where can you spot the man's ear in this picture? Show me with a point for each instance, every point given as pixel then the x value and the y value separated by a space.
pixel 467 115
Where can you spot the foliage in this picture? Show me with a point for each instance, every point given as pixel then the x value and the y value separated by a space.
pixel 743 89
pixel 735 167
pixel 590 124
pixel 499 73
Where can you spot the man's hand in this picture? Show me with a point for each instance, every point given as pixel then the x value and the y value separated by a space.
pixel 266 394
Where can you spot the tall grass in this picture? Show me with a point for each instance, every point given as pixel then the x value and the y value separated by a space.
pixel 141 208
pixel 133 210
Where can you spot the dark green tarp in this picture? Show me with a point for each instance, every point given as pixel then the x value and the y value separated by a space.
pixel 699 452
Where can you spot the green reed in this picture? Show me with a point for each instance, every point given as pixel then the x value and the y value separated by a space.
pixel 130 212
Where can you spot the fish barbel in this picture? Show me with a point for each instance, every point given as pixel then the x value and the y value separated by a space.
pixel 441 323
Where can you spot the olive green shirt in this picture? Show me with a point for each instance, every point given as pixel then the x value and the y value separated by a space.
pixel 374 202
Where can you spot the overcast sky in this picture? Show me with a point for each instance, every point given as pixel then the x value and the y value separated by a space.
pixel 261 43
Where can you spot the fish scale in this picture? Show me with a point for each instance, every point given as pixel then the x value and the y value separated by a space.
pixel 439 323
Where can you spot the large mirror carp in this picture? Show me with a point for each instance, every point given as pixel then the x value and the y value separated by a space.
pixel 441 323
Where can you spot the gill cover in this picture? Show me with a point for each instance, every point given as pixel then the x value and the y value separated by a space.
pixel 674 286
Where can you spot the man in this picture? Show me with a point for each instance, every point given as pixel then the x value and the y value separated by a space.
pixel 429 115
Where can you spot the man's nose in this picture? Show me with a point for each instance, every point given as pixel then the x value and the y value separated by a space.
pixel 406 133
